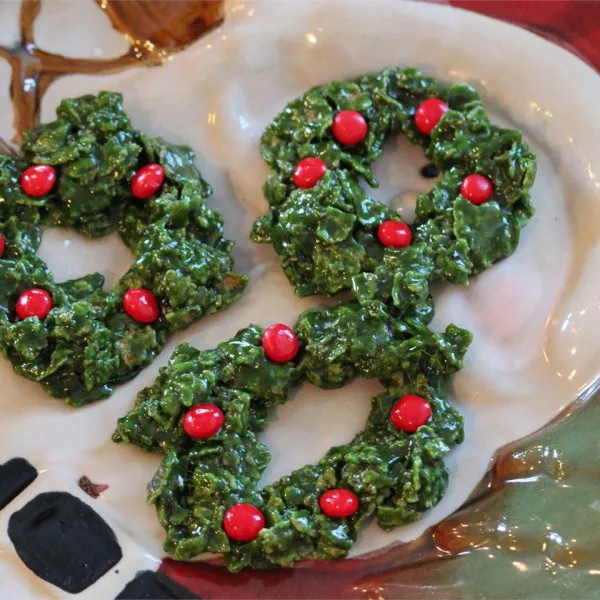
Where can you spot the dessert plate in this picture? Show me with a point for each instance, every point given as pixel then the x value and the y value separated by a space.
pixel 535 317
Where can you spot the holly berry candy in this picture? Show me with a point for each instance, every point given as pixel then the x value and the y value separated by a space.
pixel 243 522
pixel 280 343
pixel 1 245
pixel 339 503
pixel 141 305
pixel 395 234
pixel 410 413
pixel 38 180
pixel 203 421
pixel 477 189
pixel 308 172
pixel 147 181
pixel 349 127
pixel 429 113
pixel 34 303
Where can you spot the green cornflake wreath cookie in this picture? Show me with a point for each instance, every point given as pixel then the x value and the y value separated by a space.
pixel 94 173
pixel 206 408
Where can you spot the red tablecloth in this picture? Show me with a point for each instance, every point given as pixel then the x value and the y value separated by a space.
pixel 574 24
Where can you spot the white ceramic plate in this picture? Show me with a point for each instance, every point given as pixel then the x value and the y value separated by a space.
pixel 535 316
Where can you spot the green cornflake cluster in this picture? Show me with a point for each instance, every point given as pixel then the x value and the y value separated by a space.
pixel 327 234
pixel 87 344
pixel 396 475
pixel 326 238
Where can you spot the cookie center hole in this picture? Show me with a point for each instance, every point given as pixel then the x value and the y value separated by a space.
pixel 312 421
pixel 70 255
pixel 398 171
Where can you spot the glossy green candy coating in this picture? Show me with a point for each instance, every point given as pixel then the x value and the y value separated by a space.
pixel 396 475
pixel 87 344
pixel 326 234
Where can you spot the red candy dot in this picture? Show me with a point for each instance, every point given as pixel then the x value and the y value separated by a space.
pixel 349 127
pixel 141 305
pixel 429 113
pixel 243 522
pixel 147 181
pixel 1 245
pixel 203 420
pixel 339 503
pixel 410 412
pixel 280 343
pixel 38 180
pixel 308 172
pixel 477 189
pixel 34 303
pixel 394 234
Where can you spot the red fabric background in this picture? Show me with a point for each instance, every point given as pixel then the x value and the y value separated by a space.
pixel 574 24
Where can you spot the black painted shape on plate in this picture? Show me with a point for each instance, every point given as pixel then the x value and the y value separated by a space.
pixel 430 171
pixel 154 586
pixel 15 475
pixel 63 541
